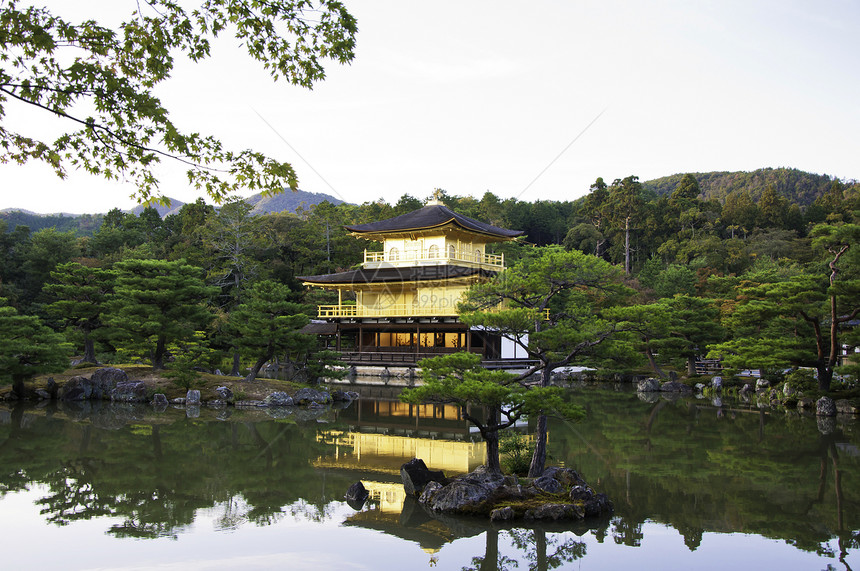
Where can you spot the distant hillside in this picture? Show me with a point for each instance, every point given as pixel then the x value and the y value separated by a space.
pixel 80 224
pixel 163 211
pixel 796 185
pixel 288 201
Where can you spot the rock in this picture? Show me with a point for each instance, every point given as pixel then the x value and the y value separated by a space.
pixel 845 406
pixel 556 512
pixel 825 407
pixel 717 402
pixel 650 398
pixel 356 495
pixel 547 484
pixel 598 505
pixel 762 384
pixel 787 390
pixel 178 401
pixel 700 386
pixel 224 393
pixel 192 398
pixel 568 477
pixel 806 402
pixel 466 494
pixel 278 398
pixel 581 494
pixel 129 391
pixel 344 396
pixel 429 491
pixel 416 475
pixel 43 394
pixel 280 412
pixel 77 389
pixel 51 388
pixel 108 377
pixel 502 514
pixel 826 424
pixel 675 387
pixel 717 383
pixel 648 386
pixel 307 395
pixel 747 388
pixel 159 400
pixel 219 373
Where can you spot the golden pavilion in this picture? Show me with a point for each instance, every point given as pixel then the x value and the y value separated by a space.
pixel 406 295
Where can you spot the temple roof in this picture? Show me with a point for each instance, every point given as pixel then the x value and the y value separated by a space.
pixel 432 216
pixel 392 275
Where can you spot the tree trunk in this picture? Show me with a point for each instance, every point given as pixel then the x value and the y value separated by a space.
pixel 18 386
pixel 491 437
pixel 257 366
pixel 825 375
pixel 234 372
pixel 89 349
pixel 627 245
pixel 691 366
pixel 158 356
pixel 539 457
pixel 540 549
pixel 491 553
pixel 653 362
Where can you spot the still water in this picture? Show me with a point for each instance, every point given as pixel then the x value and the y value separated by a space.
pixel 696 485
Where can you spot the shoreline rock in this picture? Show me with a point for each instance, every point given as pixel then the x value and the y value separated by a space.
pixel 558 494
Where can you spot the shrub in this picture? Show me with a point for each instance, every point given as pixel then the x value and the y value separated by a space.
pixel 516 452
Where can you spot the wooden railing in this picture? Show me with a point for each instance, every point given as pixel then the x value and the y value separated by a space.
pixel 393 310
pixel 495 260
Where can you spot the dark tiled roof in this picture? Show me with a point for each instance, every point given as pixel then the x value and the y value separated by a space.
pixel 408 274
pixel 431 216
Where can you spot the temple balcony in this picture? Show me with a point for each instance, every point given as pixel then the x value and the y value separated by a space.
pixel 392 310
pixel 433 255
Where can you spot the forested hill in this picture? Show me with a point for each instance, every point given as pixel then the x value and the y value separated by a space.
pixel 288 201
pixel 79 224
pixel 797 186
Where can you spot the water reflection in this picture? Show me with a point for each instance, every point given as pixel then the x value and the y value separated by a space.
pixel 698 467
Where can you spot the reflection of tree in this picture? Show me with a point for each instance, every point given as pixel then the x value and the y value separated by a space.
pixel 627 532
pixel 754 471
pixel 492 561
pixel 156 477
pixel 542 552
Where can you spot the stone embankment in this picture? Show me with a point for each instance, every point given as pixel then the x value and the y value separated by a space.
pixel 113 384
pixel 762 392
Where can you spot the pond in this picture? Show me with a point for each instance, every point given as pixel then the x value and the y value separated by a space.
pixel 696 485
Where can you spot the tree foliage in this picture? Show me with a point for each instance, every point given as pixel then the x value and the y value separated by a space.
pixel 460 378
pixel 28 348
pixel 268 323
pixel 100 84
pixel 156 303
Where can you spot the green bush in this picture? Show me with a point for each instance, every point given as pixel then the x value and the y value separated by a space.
pixel 516 453
pixel 802 380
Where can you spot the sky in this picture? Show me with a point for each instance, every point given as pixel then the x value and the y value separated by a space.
pixel 528 100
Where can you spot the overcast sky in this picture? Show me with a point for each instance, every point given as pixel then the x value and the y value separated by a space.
pixel 471 96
